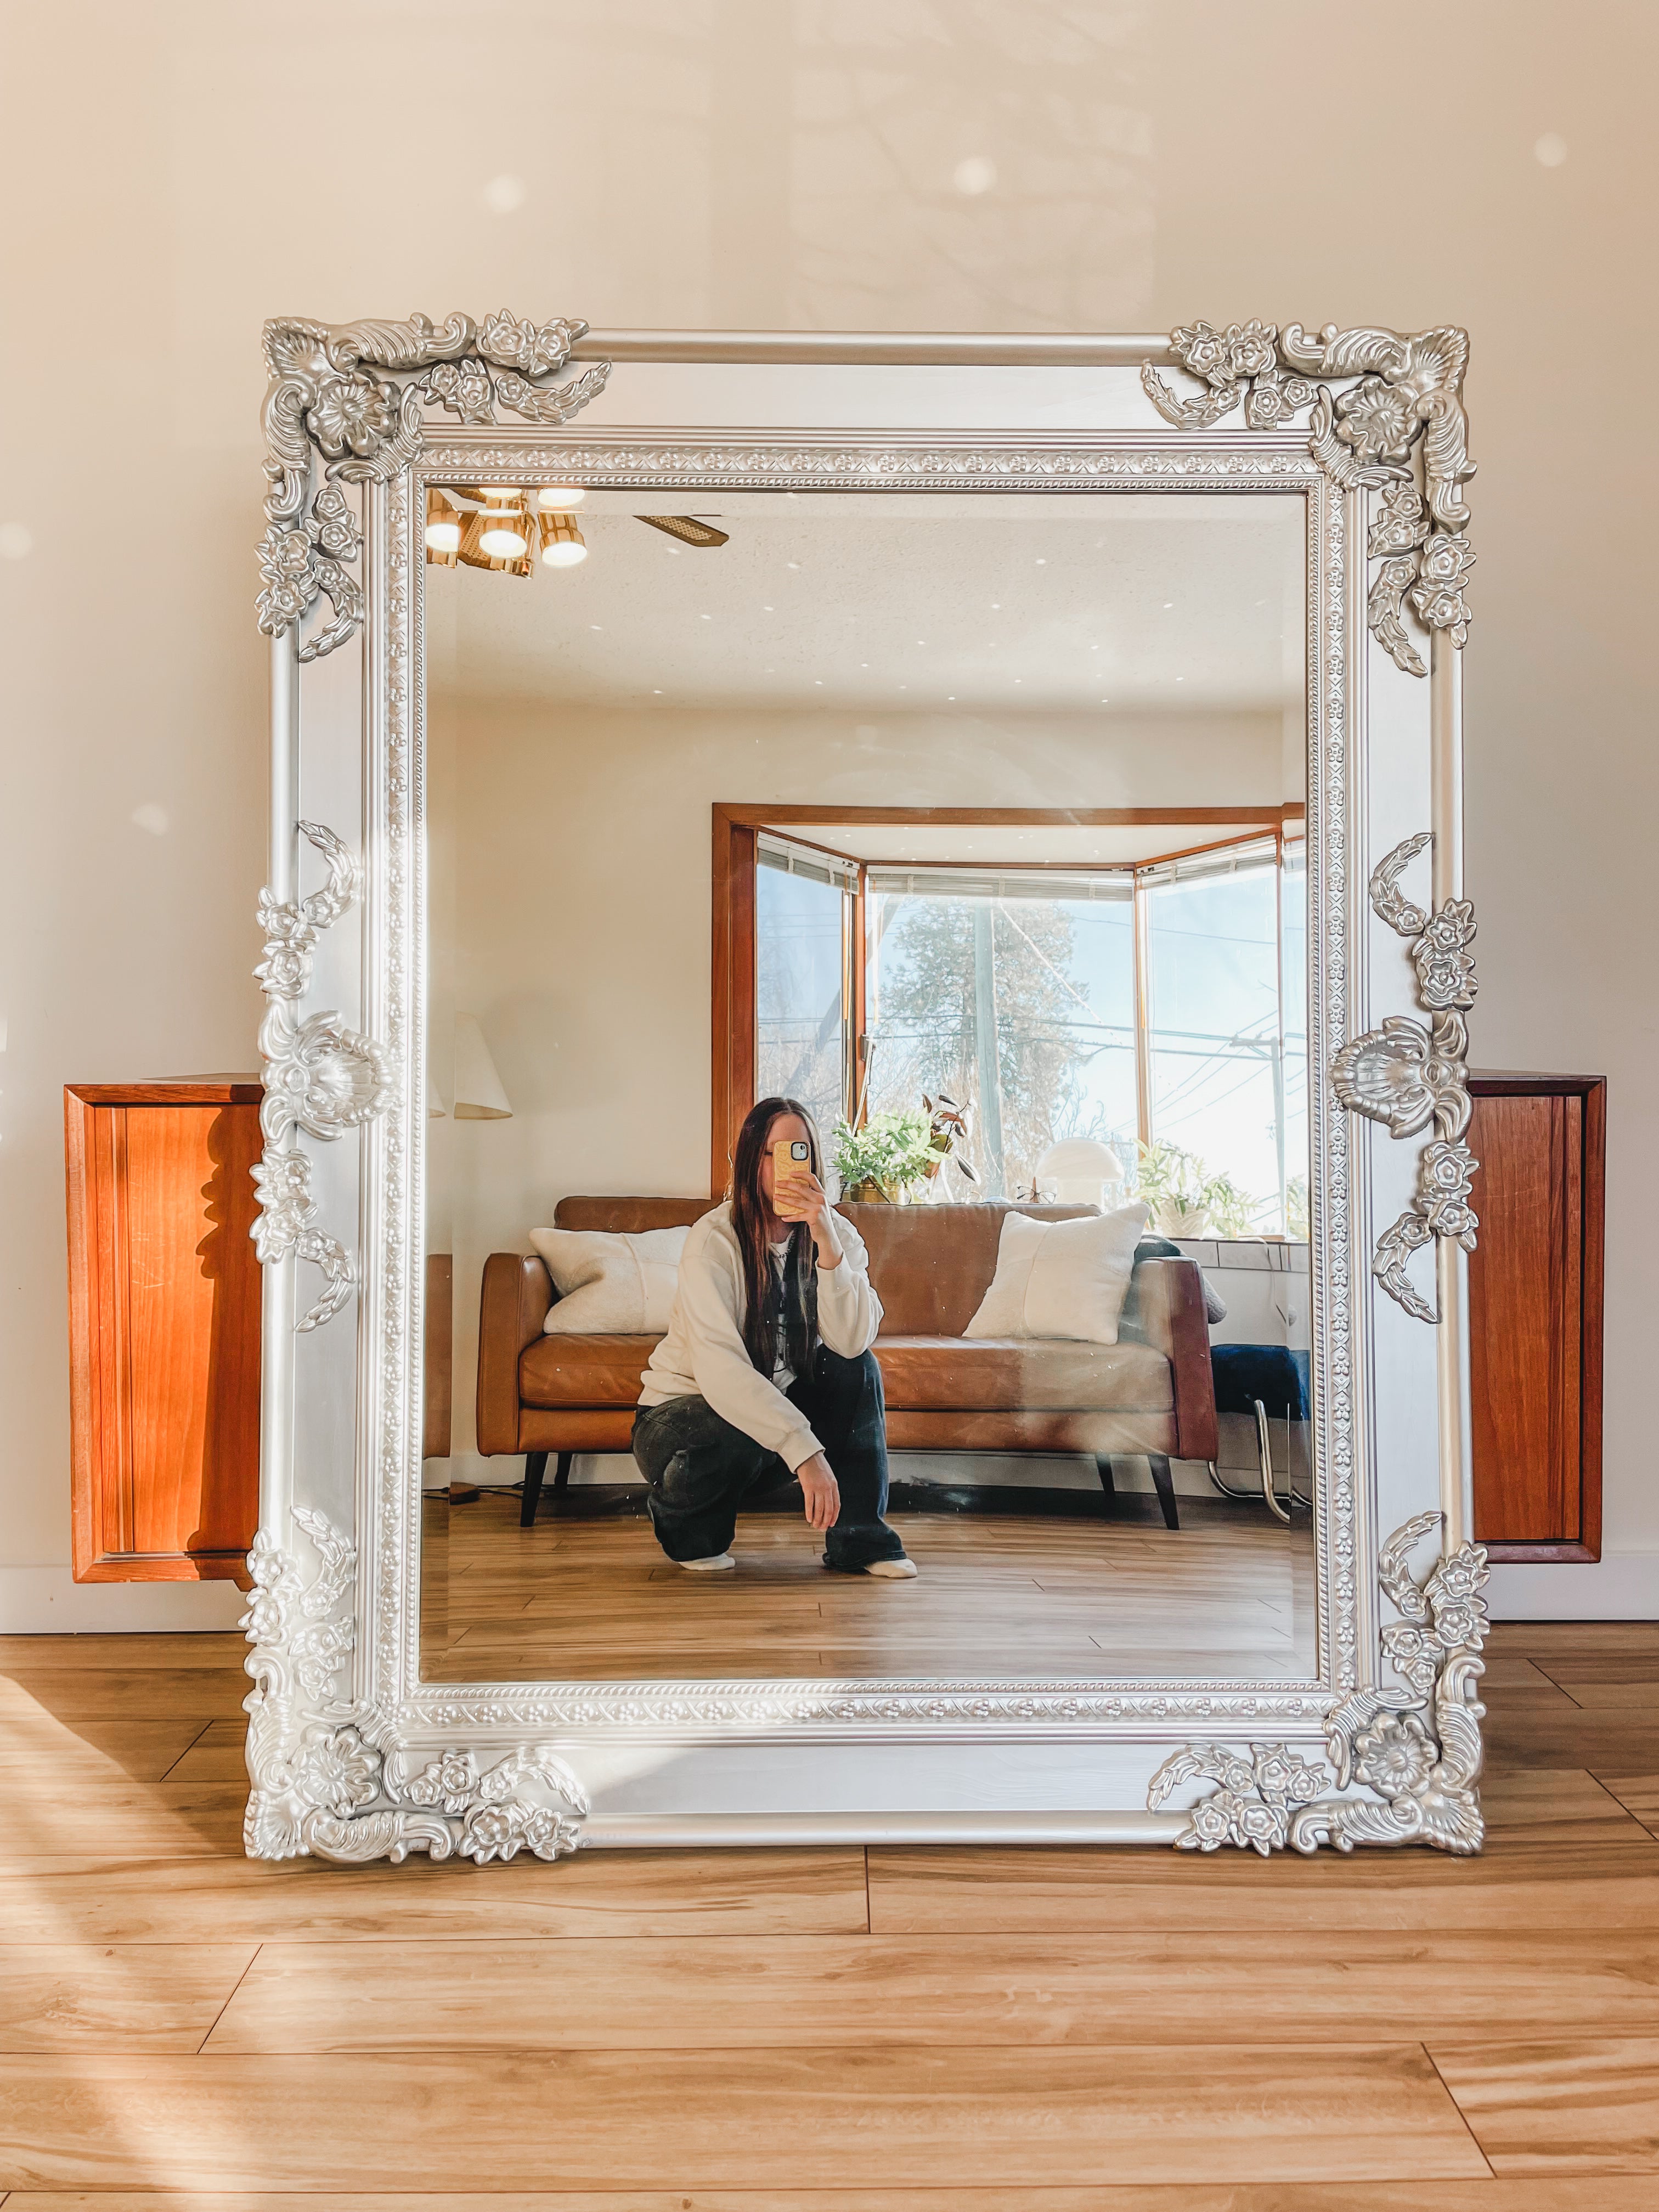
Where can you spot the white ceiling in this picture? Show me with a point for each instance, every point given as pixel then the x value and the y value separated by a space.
pixel 903 602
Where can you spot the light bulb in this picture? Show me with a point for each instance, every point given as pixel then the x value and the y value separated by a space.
pixel 502 495
pixel 562 541
pixel 556 497
pixel 503 538
pixel 444 527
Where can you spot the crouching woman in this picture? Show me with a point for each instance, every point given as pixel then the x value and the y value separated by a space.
pixel 767 1370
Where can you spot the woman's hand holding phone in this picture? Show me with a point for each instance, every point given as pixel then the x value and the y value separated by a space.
pixel 797 1196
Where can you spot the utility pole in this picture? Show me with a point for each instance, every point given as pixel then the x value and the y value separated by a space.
pixel 985 1046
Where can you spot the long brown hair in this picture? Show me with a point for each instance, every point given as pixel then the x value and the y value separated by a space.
pixel 800 1266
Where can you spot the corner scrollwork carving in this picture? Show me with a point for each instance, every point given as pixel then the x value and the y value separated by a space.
pixel 1403 415
pixel 1409 1075
pixel 1418 1755
pixel 320 1075
pixel 324 1783
pixel 356 398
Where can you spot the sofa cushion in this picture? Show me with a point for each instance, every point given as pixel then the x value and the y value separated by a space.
pixel 931 1265
pixel 994 1374
pixel 610 1284
pixel 1064 1278
pixel 584 1370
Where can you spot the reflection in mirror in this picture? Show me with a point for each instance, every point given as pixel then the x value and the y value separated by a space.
pixel 994 809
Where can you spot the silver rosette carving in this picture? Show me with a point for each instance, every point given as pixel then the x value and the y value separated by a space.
pixel 321 1785
pixel 1411 1076
pixel 357 397
pixel 319 1077
pixel 1418 1756
pixel 1397 410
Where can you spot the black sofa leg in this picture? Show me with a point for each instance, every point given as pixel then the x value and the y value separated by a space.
pixel 561 1472
pixel 535 1466
pixel 1164 1482
pixel 1103 1470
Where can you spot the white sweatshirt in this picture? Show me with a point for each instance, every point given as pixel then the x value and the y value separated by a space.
pixel 702 1354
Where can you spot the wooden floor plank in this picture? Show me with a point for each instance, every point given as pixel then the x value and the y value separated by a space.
pixel 753 1992
pixel 110 1694
pixel 1552 1836
pixel 1474 2194
pixel 883 2117
pixel 234 1899
pixel 1639 1793
pixel 39 1750
pixel 147 1998
pixel 170 1650
pixel 1586 2107
pixel 167 1819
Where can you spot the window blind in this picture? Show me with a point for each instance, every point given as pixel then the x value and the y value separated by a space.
pixel 1114 886
pixel 802 861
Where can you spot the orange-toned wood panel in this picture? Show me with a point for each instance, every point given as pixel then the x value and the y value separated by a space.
pixel 1534 1296
pixel 164 1325
pixel 440 1354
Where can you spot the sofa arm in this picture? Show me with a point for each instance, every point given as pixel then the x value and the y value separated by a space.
pixel 1172 1321
pixel 517 1293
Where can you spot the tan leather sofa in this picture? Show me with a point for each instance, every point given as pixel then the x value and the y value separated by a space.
pixel 1151 1392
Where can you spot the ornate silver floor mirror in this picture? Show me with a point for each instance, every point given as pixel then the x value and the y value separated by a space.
pixel 952 480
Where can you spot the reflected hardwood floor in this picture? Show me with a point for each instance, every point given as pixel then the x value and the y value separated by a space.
pixel 1228 1596
pixel 819 2031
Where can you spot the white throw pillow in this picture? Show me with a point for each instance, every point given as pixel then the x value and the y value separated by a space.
pixel 610 1283
pixel 1061 1278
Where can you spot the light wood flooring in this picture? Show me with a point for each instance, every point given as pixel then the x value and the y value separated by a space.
pixel 819 2031
pixel 1229 1596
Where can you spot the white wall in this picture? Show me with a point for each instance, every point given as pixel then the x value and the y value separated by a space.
pixel 571 852
pixel 174 172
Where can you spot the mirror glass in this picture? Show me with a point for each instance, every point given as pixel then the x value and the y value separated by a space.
pixel 973 826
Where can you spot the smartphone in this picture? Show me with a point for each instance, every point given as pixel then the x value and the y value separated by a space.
pixel 791 1157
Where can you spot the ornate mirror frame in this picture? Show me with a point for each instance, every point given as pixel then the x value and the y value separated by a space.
pixel 351 1755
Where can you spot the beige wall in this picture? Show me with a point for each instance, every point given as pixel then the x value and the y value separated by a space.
pixel 176 172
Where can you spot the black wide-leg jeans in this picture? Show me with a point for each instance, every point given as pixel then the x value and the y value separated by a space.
pixel 700 1468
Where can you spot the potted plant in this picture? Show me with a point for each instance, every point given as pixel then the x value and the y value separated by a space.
pixel 887 1158
pixel 1186 1201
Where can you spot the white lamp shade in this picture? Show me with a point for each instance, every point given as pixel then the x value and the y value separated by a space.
pixel 1080 1170
pixel 435 1109
pixel 478 1093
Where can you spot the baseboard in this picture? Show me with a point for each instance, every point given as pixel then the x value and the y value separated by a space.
pixel 49 1601
pixel 1622 1585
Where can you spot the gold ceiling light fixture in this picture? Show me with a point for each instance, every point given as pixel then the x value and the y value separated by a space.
pixel 563 542
pixel 686 528
pixel 559 499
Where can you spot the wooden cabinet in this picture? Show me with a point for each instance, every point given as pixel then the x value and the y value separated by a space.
pixel 164 1329
pixel 1536 1314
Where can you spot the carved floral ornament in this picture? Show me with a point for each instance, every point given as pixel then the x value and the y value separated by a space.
pixel 320 1075
pixel 357 397
pixel 322 1781
pixel 1410 1076
pixel 1403 413
pixel 1418 1756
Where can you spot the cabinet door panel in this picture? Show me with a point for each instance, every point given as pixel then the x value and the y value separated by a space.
pixel 165 1329
pixel 1529 1279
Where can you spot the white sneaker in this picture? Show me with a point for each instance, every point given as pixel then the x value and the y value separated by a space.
pixel 713 1566
pixel 892 1570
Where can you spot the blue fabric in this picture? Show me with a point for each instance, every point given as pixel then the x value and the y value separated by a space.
pixel 1272 1372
